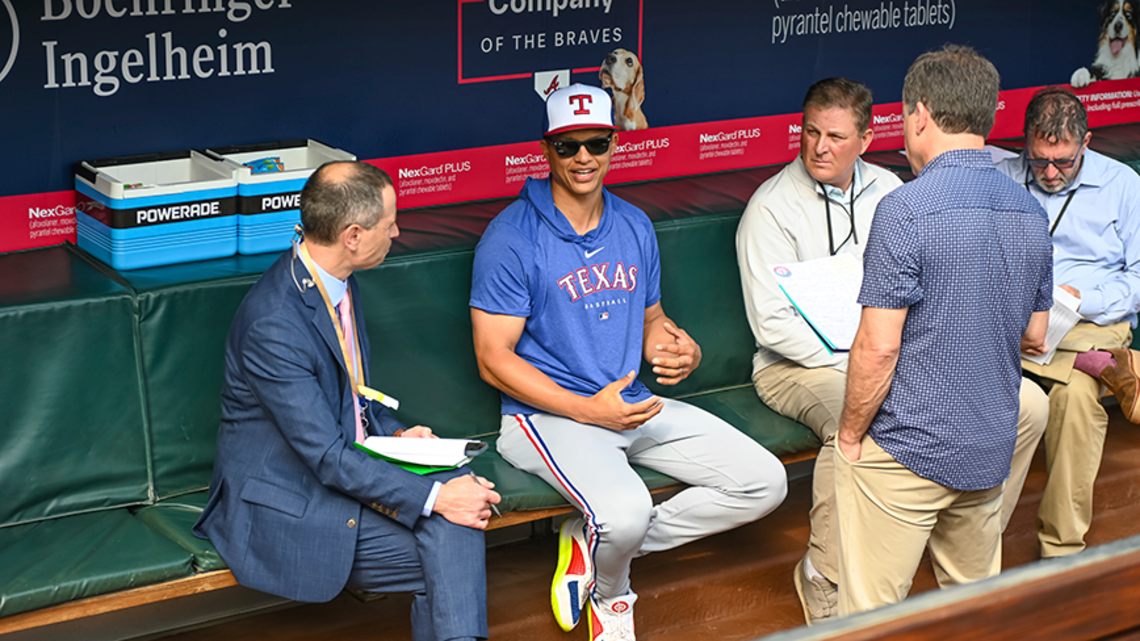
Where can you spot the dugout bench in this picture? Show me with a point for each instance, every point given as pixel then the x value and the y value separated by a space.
pixel 114 380
pixel 112 384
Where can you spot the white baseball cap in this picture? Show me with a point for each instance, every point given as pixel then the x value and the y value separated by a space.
pixel 578 107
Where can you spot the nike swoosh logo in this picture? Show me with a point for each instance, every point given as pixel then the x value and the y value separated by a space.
pixel 591 254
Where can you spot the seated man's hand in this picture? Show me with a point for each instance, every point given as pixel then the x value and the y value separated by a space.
pixel 1032 348
pixel 419 431
pixel 682 356
pixel 466 500
pixel 1072 290
pixel 608 409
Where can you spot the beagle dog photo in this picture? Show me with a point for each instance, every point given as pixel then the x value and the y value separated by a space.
pixel 1116 56
pixel 621 72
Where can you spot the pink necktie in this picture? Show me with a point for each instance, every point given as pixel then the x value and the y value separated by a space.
pixel 345 309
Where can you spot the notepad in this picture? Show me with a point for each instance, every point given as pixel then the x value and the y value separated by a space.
pixel 423 455
pixel 824 292
pixel 1063 317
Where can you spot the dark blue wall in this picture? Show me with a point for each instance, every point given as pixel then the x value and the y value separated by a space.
pixel 381 79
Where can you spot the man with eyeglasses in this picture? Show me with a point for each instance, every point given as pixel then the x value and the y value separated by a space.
pixel 1093 203
pixel 820 205
pixel 565 302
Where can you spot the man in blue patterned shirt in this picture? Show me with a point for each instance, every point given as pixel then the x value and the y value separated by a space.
pixel 957 273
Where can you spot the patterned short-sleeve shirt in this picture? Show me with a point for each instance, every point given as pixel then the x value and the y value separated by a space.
pixel 967 250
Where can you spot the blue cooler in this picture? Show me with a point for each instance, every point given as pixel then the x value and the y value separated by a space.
pixel 156 209
pixel 270 177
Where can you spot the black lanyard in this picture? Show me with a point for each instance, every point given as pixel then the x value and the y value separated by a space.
pixel 850 214
pixel 1063 207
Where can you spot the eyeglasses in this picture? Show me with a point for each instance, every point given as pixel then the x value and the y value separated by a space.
pixel 568 147
pixel 1060 163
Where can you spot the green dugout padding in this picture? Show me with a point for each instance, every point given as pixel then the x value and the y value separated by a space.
pixel 112 380
pixel 73 437
pixel 419 325
pixel 183 332
pixel 74 557
pixel 113 387
pixel 184 315
pixel 700 290
pixel 420 328
pixel 173 519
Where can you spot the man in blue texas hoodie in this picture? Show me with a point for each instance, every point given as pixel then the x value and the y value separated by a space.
pixel 565 301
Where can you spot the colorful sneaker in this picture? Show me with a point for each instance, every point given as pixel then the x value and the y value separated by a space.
pixel 818 596
pixel 612 619
pixel 574 576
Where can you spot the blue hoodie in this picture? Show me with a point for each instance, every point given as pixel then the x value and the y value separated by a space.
pixel 584 296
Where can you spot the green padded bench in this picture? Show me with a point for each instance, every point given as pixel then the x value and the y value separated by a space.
pixel 115 397
pixel 74 452
pixel 112 386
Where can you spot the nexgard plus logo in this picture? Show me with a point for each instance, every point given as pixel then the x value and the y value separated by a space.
pixel 9 37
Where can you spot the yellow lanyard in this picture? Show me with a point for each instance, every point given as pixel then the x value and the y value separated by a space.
pixel 355 375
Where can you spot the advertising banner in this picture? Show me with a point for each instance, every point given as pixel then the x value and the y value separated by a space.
pixel 446 95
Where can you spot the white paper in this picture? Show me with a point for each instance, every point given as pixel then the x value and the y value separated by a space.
pixel 824 292
pixel 1063 317
pixel 433 452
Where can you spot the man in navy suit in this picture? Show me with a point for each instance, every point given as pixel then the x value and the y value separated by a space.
pixel 295 509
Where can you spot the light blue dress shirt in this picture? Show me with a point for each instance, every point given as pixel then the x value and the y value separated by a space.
pixel 1096 246
pixel 843 199
pixel 838 195
pixel 336 289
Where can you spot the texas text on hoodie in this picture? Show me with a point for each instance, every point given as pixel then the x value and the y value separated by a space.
pixel 584 296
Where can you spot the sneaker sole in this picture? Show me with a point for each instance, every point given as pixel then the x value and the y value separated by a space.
pixel 800 590
pixel 566 620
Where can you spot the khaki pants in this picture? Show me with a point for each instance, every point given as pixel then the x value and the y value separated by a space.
pixel 1074 439
pixel 888 515
pixel 814 397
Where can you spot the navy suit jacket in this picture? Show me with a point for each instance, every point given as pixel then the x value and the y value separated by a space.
pixel 289 485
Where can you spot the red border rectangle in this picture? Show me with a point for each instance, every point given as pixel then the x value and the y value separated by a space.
pixel 518 76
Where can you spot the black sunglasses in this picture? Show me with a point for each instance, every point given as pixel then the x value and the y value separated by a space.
pixel 568 148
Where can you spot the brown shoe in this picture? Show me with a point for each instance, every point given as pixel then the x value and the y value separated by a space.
pixel 1123 381
pixel 818 596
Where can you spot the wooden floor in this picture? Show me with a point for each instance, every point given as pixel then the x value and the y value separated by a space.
pixel 736 585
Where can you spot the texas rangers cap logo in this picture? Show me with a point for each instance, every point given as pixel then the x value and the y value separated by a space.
pixel 582 100
pixel 578 106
